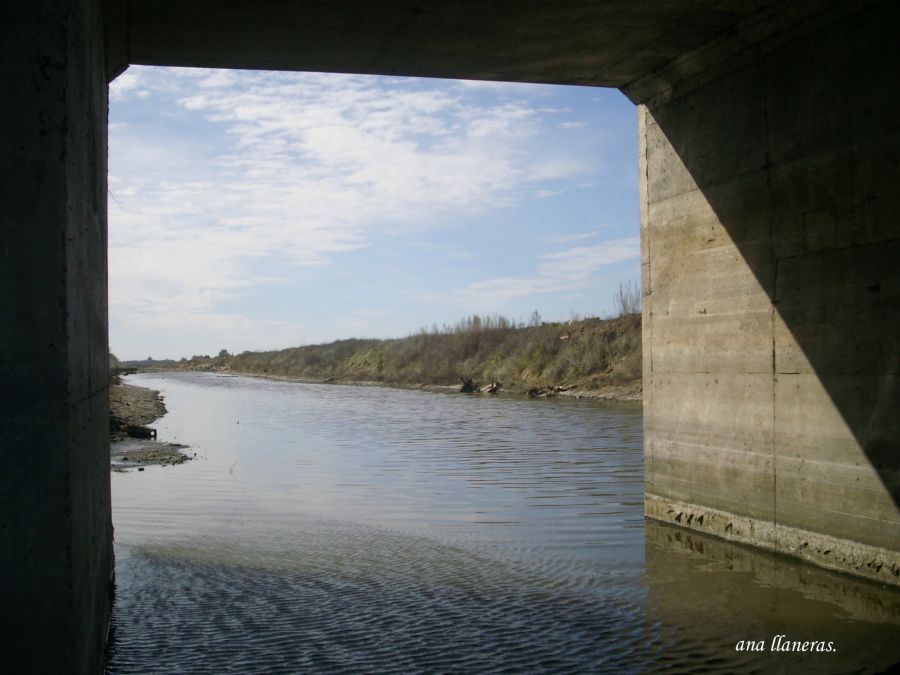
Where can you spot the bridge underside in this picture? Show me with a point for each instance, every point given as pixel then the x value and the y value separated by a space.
pixel 769 154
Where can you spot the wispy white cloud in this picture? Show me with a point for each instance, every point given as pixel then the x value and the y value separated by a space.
pixel 577 264
pixel 315 163
pixel 560 271
pixel 265 172
pixel 127 82
pixel 593 233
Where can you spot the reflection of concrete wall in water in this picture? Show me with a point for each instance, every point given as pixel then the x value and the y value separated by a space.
pixel 770 259
pixel 770 161
pixel 671 551
pixel 696 583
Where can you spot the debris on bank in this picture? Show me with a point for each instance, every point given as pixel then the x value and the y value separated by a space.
pixel 585 358
pixel 470 387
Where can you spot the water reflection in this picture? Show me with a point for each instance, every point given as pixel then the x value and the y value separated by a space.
pixel 707 589
pixel 359 529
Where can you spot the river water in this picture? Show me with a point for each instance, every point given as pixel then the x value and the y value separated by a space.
pixel 329 528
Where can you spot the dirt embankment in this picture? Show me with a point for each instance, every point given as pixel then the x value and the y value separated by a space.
pixel 132 443
pixel 588 358
pixel 131 406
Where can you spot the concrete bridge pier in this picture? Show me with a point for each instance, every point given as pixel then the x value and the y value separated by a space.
pixel 771 274
pixel 55 525
pixel 770 157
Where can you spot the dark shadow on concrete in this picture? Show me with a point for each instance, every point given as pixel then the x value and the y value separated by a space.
pixel 797 151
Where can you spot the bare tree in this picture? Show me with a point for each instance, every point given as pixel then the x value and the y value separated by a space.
pixel 628 299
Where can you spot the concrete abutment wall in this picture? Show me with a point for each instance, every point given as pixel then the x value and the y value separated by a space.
pixel 771 273
pixel 55 520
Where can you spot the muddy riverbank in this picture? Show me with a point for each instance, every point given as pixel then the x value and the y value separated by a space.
pixel 132 444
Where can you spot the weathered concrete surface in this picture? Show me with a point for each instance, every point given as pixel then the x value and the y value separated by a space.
pixel 824 550
pixel 770 152
pixel 772 286
pixel 55 527
pixel 602 42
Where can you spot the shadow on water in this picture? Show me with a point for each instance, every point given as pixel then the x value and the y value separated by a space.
pixel 720 593
pixel 361 600
pixel 339 598
pixel 357 599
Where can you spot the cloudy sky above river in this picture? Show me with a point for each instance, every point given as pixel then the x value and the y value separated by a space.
pixel 252 210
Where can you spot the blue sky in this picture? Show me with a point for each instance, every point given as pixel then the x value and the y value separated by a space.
pixel 261 210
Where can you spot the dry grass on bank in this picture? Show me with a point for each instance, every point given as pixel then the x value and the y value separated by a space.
pixel 589 354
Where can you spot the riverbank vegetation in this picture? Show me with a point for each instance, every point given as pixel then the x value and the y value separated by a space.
pixel 587 356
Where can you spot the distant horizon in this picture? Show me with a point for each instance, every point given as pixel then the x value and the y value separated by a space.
pixel 253 211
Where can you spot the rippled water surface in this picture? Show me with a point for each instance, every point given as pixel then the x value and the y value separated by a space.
pixel 365 529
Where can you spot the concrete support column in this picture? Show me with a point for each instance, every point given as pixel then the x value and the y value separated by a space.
pixel 771 267
pixel 55 523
